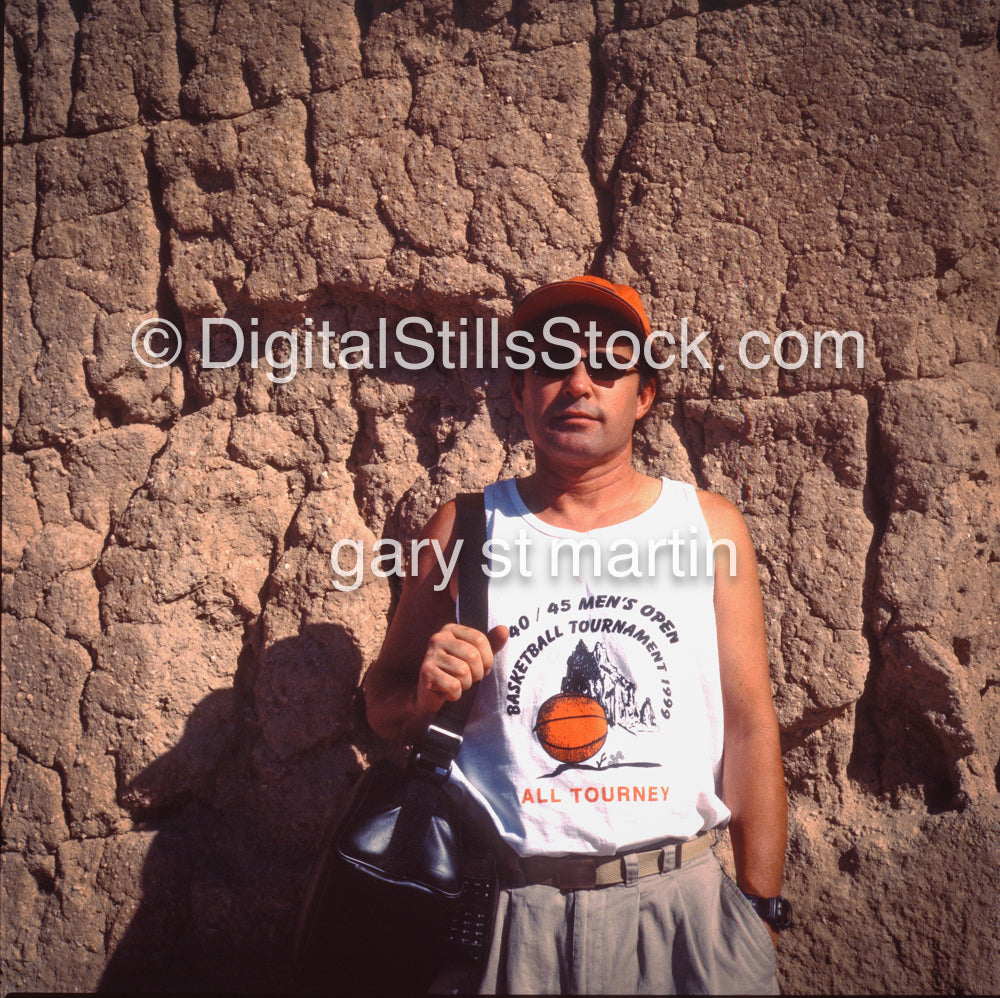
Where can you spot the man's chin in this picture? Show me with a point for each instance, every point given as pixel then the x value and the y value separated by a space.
pixel 573 436
pixel 579 446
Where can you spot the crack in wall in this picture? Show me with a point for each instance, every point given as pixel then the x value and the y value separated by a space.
pixel 81 9
pixel 868 747
pixel 604 195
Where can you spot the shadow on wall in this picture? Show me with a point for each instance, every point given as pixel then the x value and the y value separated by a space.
pixel 236 834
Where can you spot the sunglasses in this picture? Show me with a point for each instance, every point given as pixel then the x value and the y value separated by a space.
pixel 556 362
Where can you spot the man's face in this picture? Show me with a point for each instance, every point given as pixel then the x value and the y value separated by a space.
pixel 582 417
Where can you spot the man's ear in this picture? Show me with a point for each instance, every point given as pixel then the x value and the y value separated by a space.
pixel 517 389
pixel 647 393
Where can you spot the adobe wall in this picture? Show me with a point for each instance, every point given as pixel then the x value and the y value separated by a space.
pixel 179 668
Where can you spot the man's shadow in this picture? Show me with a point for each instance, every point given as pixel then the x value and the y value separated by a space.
pixel 235 834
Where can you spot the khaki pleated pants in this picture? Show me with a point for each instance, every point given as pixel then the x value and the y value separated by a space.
pixel 686 931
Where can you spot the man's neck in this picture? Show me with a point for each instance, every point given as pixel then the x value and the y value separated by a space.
pixel 590 498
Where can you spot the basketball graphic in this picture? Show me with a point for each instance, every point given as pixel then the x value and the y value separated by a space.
pixel 571 727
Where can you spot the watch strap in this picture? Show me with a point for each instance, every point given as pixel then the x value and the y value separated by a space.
pixel 776 911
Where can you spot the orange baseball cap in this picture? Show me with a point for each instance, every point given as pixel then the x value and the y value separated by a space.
pixel 549 298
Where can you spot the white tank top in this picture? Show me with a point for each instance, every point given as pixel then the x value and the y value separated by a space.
pixel 600 727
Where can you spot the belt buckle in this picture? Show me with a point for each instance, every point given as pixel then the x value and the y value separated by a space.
pixel 575 872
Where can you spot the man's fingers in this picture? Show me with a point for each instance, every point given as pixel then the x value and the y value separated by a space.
pixel 466 643
pixel 469 634
pixel 466 671
pixel 442 684
pixel 457 656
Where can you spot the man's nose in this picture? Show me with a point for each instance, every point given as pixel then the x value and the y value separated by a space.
pixel 577 380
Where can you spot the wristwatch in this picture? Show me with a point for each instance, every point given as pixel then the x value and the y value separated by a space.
pixel 775 911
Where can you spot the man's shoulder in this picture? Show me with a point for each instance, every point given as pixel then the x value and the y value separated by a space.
pixel 722 516
pixel 441 526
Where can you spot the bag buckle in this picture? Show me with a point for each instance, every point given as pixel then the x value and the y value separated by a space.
pixel 443 739
pixel 436 753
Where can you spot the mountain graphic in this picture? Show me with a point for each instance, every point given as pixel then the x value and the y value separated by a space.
pixel 593 674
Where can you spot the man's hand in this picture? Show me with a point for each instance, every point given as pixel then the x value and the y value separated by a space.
pixel 456 657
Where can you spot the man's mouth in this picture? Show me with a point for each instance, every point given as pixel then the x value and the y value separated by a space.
pixel 572 416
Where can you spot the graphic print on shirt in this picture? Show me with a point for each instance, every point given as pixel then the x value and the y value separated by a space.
pixel 573 725
pixel 595 713
pixel 592 674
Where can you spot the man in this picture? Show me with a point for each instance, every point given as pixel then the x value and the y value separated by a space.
pixel 625 705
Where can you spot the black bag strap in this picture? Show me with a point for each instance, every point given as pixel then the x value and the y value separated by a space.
pixel 470 523
pixel 430 764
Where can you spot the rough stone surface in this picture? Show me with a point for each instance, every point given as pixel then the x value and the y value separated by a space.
pixel 179 669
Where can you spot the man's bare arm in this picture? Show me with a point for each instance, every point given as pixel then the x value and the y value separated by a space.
pixel 426 658
pixel 753 783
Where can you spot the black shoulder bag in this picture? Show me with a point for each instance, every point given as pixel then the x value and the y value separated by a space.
pixel 406 887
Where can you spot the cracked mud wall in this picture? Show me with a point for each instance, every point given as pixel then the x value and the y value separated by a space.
pixel 178 668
